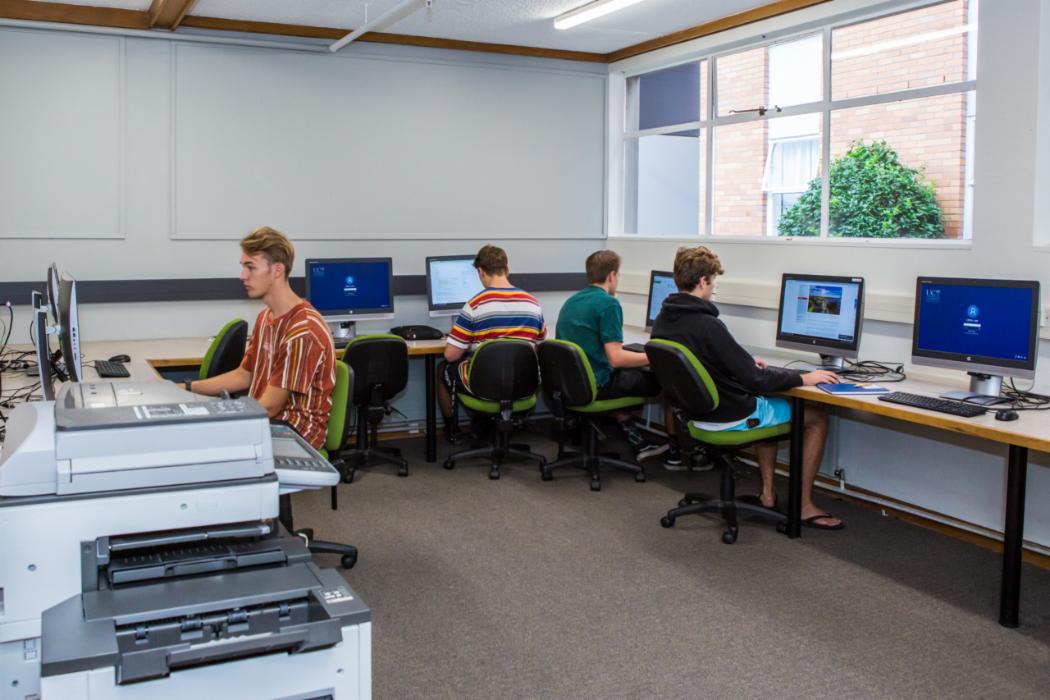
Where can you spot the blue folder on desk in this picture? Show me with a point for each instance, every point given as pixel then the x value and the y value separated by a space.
pixel 853 389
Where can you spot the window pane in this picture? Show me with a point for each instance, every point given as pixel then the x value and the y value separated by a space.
pixel 761 168
pixel 784 74
pixel 899 169
pixel 666 97
pixel 664 176
pixel 920 48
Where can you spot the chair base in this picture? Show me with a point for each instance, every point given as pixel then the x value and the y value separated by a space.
pixel 357 459
pixel 727 505
pixel 348 552
pixel 592 461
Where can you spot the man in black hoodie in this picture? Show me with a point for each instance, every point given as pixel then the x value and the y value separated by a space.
pixel 743 381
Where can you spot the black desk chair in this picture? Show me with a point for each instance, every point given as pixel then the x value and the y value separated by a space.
pixel 693 395
pixel 380 366
pixel 226 350
pixel 572 395
pixel 503 377
pixel 344 380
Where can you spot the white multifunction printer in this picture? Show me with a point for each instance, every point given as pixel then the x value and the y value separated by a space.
pixel 140 555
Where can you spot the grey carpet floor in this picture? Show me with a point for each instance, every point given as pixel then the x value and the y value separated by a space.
pixel 521 588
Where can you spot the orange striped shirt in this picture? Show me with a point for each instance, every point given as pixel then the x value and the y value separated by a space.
pixel 295 352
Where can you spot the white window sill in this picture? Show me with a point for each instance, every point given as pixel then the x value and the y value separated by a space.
pixel 905 243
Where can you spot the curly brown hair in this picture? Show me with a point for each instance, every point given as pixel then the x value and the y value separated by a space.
pixel 693 264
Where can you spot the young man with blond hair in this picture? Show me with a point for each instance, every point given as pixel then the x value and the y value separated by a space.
pixel 500 310
pixel 289 366
pixel 593 319
pixel 743 381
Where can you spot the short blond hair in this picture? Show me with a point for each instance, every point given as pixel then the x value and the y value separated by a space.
pixel 693 264
pixel 272 244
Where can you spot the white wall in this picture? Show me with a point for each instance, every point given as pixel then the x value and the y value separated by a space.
pixel 164 153
pixel 959 478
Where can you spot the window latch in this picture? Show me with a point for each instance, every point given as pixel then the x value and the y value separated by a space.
pixel 761 110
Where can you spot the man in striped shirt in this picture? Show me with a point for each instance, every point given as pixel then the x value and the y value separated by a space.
pixel 501 310
pixel 289 366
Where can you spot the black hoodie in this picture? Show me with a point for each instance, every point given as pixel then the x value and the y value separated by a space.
pixel 694 323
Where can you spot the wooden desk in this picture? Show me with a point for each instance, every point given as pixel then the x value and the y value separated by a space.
pixel 429 351
pixel 1030 431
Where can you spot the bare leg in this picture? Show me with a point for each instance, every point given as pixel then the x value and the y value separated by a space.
pixel 444 400
pixel 767 462
pixel 814 436
pixel 669 425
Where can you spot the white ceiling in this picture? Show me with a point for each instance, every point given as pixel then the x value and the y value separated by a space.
pixel 520 22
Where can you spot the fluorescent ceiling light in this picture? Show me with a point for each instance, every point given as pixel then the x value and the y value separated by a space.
pixel 591 10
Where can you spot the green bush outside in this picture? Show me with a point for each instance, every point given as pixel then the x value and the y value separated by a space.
pixel 873 195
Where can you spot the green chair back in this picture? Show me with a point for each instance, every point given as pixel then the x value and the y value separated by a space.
pixel 567 372
pixel 380 365
pixel 503 369
pixel 683 377
pixel 342 406
pixel 226 350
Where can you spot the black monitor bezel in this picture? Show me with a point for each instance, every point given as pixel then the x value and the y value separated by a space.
pixel 353 312
pixel 977 363
pixel 430 294
pixel 816 343
pixel 649 298
pixel 69 328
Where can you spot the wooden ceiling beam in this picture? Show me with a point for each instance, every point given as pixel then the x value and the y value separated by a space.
pixel 719 25
pixel 32 11
pixel 167 14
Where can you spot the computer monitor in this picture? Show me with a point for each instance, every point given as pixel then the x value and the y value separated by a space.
pixel 452 281
pixel 988 328
pixel 53 278
pixel 69 328
pixel 345 290
pixel 661 286
pixel 43 351
pixel 821 314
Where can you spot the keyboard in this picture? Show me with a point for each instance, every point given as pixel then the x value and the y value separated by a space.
pixel 932 403
pixel 105 368
pixel 635 347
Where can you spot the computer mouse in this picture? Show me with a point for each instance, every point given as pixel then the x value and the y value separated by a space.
pixel 120 358
pixel 1006 414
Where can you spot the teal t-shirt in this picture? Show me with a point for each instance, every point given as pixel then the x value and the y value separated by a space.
pixel 591 318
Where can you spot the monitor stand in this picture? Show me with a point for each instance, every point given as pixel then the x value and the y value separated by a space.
pixel 984 390
pixel 342 332
pixel 832 363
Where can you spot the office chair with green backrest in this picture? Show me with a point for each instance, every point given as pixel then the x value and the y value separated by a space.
pixel 226 350
pixel 344 380
pixel 693 395
pixel 380 365
pixel 572 394
pixel 503 377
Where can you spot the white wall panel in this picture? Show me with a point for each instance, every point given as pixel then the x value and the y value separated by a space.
pixel 349 146
pixel 61 136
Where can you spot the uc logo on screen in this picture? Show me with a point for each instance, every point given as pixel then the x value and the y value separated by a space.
pixel 972 311
pixel 349 279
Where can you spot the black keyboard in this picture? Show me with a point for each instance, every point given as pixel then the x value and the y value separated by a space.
pixel 932 403
pixel 634 347
pixel 105 368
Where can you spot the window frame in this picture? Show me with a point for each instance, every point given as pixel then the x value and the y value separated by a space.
pixel 826 107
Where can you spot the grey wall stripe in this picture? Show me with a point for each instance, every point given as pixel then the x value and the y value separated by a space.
pixel 222 289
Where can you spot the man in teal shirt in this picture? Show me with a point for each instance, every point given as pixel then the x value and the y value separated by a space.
pixel 593 319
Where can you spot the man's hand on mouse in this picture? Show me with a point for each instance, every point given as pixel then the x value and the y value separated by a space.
pixel 820 376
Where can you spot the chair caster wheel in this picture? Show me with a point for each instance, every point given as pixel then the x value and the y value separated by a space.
pixel 403 471
pixel 683 503
pixel 596 485
pixel 349 478
pixel 449 463
pixel 546 475
pixel 640 477
pixel 729 536
pixel 348 560
pixel 494 474
pixel 667 521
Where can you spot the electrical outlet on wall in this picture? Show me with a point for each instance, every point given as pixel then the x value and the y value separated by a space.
pixel 1044 318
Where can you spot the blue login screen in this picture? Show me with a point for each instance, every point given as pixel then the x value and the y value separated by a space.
pixel 970 320
pixel 350 286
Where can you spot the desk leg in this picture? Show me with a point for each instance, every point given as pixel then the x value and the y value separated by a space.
pixel 798 420
pixel 431 437
pixel 1016 477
